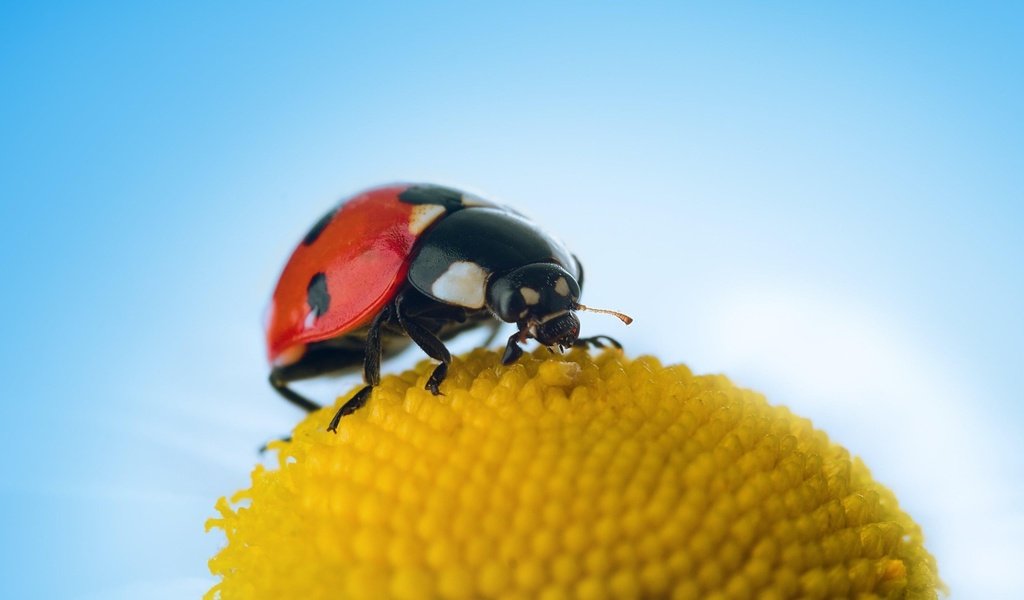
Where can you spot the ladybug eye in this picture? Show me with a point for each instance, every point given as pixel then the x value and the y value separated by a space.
pixel 512 306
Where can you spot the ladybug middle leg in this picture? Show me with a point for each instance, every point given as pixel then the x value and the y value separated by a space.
pixel 371 368
pixel 431 345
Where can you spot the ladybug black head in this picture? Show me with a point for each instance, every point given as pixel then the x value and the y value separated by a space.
pixel 540 298
pixel 562 329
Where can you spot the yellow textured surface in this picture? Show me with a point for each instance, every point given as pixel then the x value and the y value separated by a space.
pixel 572 476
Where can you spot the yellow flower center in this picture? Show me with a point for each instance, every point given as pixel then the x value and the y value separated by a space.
pixel 571 476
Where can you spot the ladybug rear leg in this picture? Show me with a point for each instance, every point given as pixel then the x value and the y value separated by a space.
pixel 371 369
pixel 316 361
pixel 281 387
pixel 431 345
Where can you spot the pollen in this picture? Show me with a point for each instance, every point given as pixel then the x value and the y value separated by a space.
pixel 566 476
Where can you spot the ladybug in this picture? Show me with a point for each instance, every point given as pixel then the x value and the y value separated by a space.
pixel 416 264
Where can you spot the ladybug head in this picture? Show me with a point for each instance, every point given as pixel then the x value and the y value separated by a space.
pixel 540 298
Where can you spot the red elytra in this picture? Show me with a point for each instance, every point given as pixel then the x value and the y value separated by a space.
pixel 368 240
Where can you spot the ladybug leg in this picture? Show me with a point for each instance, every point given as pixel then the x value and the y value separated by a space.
pixel 354 403
pixel 597 342
pixel 431 346
pixel 280 385
pixel 512 350
pixel 315 362
pixel 371 369
pixel 495 328
pixel 434 348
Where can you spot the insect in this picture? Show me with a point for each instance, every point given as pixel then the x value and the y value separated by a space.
pixel 417 264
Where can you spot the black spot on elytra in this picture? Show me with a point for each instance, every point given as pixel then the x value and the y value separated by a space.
pixel 316 294
pixel 319 227
pixel 450 199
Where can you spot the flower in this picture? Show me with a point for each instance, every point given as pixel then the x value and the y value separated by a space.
pixel 566 476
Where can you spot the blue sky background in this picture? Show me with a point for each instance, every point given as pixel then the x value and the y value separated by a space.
pixel 825 203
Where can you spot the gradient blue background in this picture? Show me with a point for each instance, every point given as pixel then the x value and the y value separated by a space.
pixel 824 203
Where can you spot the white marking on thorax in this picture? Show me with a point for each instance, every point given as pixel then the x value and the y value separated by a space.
pixel 531 295
pixel 562 287
pixel 423 215
pixel 464 284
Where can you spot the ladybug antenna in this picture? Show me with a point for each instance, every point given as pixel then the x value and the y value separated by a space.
pixel 622 317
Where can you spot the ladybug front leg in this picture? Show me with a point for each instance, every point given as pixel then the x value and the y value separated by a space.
pixel 371 369
pixel 430 344
pixel 512 349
